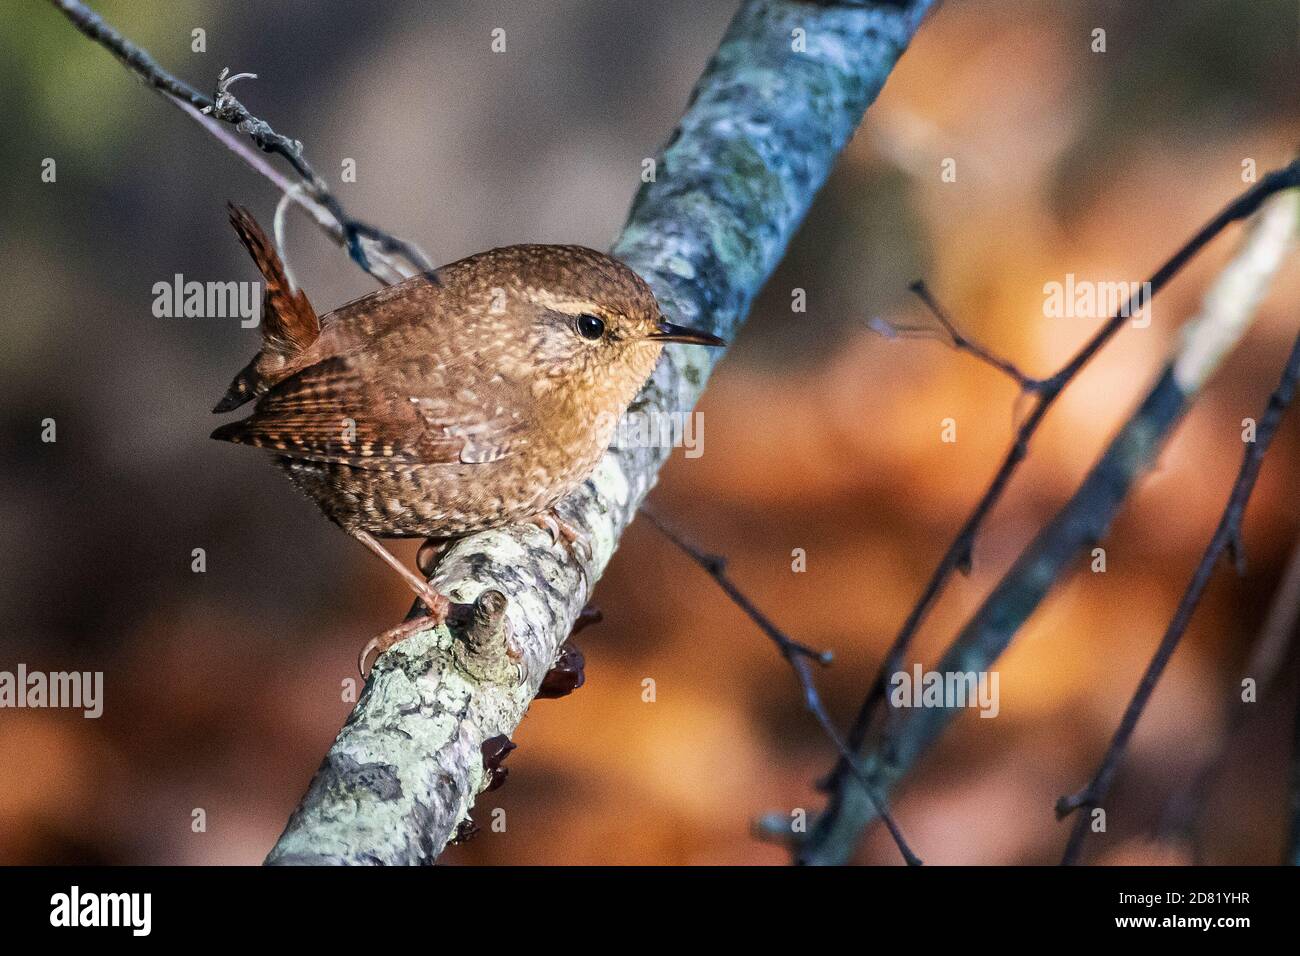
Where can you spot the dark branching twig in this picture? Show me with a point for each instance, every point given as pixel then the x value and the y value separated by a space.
pixel 957 339
pixel 716 566
pixel 798 656
pixel 1045 393
pixel 1266 657
pixel 225 107
pixel 1227 533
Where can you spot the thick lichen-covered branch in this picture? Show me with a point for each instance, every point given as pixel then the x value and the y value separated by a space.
pixel 777 103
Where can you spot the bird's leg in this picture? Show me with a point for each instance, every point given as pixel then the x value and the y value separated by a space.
pixel 437 604
pixel 561 530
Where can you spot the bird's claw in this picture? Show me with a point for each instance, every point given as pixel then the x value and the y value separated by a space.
pixel 561 530
pixel 438 606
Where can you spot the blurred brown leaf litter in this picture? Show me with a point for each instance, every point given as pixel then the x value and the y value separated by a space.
pixel 223 689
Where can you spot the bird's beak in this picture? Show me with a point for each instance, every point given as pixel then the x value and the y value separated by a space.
pixel 668 332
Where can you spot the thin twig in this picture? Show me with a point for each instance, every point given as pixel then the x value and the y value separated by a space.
pixel 352 233
pixel 797 655
pixel 716 566
pixel 1266 657
pixel 1228 531
pixel 386 269
pixel 958 555
pixel 963 343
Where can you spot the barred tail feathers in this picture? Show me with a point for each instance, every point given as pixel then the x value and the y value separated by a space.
pixel 289 323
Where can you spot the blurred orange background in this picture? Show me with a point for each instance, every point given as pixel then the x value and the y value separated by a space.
pixel 223 689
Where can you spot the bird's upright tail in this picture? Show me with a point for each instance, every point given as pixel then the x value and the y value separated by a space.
pixel 289 323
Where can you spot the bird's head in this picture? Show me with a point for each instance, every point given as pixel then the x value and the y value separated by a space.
pixel 589 329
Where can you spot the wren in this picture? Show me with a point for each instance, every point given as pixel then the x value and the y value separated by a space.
pixel 468 398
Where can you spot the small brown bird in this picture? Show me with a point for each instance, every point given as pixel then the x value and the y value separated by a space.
pixel 468 398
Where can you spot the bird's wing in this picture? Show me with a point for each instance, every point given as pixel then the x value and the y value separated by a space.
pixel 330 411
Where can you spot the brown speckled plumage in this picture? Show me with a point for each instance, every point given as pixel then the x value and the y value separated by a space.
pixel 452 402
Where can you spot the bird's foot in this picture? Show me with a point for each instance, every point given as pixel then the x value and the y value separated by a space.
pixel 439 606
pixel 561 530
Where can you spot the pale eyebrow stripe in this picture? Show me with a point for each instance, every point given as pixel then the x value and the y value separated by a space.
pixel 560 303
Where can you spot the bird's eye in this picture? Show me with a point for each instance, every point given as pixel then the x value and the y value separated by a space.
pixel 590 326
